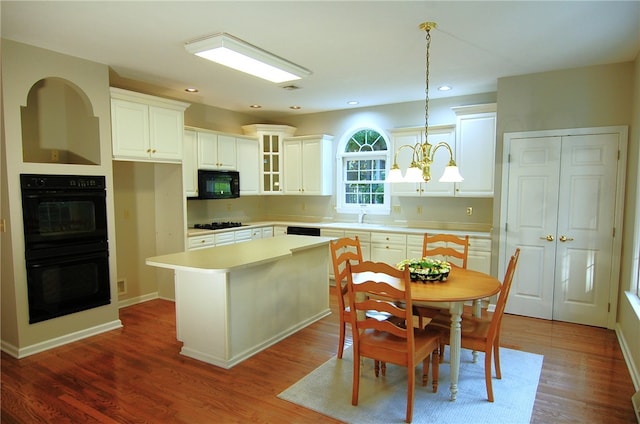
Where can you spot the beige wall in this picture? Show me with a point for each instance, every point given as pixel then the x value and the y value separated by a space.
pixel 585 97
pixel 23 66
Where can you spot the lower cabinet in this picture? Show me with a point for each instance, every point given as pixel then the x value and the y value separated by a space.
pixel 390 248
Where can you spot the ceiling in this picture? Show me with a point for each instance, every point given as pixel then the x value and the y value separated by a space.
pixel 369 51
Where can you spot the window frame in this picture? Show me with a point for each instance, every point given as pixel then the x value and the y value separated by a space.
pixel 341 162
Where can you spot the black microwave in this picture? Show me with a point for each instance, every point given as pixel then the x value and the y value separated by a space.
pixel 218 184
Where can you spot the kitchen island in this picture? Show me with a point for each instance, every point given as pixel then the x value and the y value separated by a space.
pixel 235 300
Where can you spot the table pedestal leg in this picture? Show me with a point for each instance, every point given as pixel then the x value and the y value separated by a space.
pixel 455 345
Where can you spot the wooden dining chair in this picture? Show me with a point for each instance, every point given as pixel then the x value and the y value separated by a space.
pixel 450 248
pixel 483 334
pixel 395 340
pixel 343 250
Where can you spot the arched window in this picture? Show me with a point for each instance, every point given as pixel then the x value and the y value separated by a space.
pixel 362 165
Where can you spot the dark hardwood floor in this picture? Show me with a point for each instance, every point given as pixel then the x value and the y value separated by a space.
pixel 136 375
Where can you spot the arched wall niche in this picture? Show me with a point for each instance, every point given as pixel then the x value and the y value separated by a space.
pixel 58 125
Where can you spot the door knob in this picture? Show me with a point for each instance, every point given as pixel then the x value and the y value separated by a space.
pixel 548 237
pixel 563 238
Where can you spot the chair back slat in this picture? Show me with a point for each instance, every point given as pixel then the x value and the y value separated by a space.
pixel 343 250
pixel 378 295
pixel 447 247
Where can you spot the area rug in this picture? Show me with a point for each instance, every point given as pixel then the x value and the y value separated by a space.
pixel 383 400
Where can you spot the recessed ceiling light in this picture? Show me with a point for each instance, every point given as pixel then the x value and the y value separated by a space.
pixel 445 88
pixel 353 102
pixel 255 106
pixel 294 107
pixel 191 90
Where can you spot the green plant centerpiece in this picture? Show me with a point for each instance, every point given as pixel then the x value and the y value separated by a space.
pixel 426 269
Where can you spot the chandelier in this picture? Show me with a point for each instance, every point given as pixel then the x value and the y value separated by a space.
pixel 423 153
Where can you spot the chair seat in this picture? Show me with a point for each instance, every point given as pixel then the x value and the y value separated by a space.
pixel 425 341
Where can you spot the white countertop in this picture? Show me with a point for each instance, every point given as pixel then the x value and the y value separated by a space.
pixel 226 258
pixel 350 226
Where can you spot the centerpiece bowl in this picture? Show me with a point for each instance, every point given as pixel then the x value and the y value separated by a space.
pixel 426 269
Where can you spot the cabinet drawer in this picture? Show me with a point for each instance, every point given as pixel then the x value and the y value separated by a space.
pixel 388 238
pixel 363 236
pixel 331 233
pixel 415 240
pixel 242 235
pixel 201 242
pixel 480 244
pixel 225 238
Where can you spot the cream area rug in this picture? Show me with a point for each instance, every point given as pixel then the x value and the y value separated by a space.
pixel 383 400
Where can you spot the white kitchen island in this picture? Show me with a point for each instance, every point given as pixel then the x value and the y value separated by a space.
pixel 235 300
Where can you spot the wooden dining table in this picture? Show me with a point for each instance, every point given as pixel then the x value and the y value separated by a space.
pixel 462 285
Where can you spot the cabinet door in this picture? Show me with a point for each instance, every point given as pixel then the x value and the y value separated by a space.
pixel 248 160
pixel 166 127
pixel 292 165
pixel 408 138
pixel 227 149
pixel 189 164
pixel 130 129
pixel 312 167
pixel 475 154
pixel 271 163
pixel 435 188
pixel 207 150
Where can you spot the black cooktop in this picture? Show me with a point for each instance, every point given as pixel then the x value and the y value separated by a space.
pixel 217 225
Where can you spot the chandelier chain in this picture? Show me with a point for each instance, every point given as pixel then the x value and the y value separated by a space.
pixel 426 90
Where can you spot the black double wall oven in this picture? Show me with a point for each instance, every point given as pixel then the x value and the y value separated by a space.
pixel 66 244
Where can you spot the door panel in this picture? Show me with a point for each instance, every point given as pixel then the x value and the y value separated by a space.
pixel 532 216
pixel 588 184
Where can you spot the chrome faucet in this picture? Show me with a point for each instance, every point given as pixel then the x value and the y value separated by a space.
pixel 361 214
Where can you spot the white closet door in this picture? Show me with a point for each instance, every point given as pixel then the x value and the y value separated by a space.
pixel 561 212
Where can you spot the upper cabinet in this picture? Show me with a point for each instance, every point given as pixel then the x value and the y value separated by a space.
pixel 248 159
pixel 411 137
pixel 190 163
pixel 307 165
pixel 270 138
pixel 473 141
pixel 475 149
pixel 216 151
pixel 146 128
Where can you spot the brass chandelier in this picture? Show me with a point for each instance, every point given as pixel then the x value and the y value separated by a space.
pixel 423 153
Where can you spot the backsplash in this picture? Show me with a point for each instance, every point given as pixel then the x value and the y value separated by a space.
pixel 429 211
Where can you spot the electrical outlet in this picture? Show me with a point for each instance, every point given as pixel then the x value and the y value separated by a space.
pixel 228 206
pixel 55 156
pixel 469 210
pixel 304 206
pixel 419 210
pixel 396 209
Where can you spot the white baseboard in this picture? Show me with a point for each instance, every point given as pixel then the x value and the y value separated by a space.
pixel 136 300
pixel 23 352
pixel 628 358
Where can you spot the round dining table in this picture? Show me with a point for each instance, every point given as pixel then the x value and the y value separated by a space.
pixel 461 285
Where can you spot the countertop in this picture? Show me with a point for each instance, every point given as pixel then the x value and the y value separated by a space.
pixel 351 226
pixel 236 256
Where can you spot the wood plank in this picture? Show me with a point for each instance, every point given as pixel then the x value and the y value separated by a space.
pixel 136 374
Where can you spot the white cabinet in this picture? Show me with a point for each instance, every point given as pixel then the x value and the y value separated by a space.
pixel 475 149
pixel 279 230
pixel 307 165
pixel 411 137
pixel 390 248
pixel 267 232
pixel 189 164
pixel 270 139
pixel 414 246
pixel 146 128
pixel 479 255
pixel 201 242
pixel 216 151
pixel 248 161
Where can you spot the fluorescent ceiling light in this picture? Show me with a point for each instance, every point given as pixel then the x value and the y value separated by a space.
pixel 230 51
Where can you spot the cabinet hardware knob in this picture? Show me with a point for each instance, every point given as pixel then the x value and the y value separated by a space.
pixel 148 150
